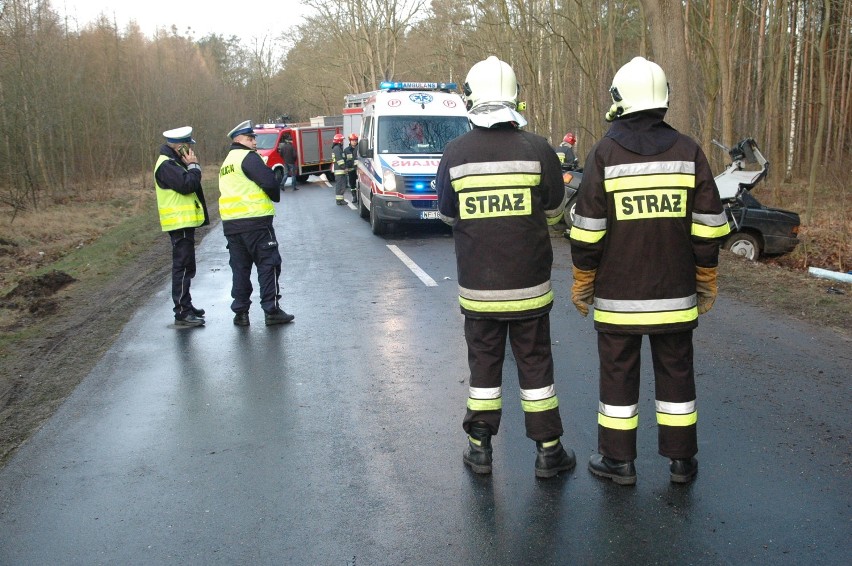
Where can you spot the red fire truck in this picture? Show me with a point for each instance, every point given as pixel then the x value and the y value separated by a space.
pixel 312 143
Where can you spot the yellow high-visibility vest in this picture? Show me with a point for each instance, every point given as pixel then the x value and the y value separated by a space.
pixel 239 196
pixel 176 210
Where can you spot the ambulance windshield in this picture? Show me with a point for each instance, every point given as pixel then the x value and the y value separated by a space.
pixel 418 134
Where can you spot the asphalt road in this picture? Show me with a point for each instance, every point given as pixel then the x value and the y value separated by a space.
pixel 336 440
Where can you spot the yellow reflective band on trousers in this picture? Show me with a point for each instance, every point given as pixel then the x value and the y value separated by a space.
pixel 540 405
pixel 485 404
pixel 614 423
pixel 507 306
pixel 495 203
pixel 677 420
pixel 176 210
pixel 646 318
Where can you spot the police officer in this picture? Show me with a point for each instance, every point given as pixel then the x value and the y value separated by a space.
pixel 645 246
pixel 247 189
pixel 350 154
pixel 341 175
pixel 180 202
pixel 500 187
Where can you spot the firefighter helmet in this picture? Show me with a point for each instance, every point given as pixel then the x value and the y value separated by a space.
pixel 491 93
pixel 353 137
pixel 338 138
pixel 569 139
pixel 638 85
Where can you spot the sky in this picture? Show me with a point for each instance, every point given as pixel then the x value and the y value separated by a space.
pixel 243 19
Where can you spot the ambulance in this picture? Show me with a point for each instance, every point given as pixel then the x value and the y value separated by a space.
pixel 404 128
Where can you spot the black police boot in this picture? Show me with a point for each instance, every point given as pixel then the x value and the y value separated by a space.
pixel 277 317
pixel 477 455
pixel 189 320
pixel 197 312
pixel 550 460
pixel 241 319
pixel 683 470
pixel 620 471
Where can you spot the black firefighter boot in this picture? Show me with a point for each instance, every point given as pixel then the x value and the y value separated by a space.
pixel 354 196
pixel 552 458
pixel 478 452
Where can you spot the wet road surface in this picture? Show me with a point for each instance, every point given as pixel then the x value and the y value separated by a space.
pixel 336 440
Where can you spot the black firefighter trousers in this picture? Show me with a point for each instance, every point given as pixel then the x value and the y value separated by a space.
pixel 672 355
pixel 486 350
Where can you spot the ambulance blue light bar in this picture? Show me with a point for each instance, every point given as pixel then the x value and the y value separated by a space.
pixel 403 85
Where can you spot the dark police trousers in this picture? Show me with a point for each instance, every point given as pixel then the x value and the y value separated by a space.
pixel 674 386
pixel 183 268
pixel 486 349
pixel 259 248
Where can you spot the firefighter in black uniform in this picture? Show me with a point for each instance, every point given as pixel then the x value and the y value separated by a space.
pixel 180 202
pixel 645 247
pixel 500 188
pixel 341 175
pixel 565 152
pixel 350 154
pixel 247 189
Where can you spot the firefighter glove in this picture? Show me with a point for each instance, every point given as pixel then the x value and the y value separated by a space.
pixel 705 288
pixel 583 290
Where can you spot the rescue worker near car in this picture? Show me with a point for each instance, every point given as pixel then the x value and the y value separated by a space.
pixel 182 208
pixel 341 175
pixel 247 189
pixel 350 154
pixel 645 246
pixel 500 188
pixel 565 152
pixel 288 156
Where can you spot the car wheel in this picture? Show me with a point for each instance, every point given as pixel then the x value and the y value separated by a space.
pixel 743 244
pixel 570 209
pixel 377 226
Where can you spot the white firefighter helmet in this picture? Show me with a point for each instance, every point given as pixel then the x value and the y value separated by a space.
pixel 638 85
pixel 491 93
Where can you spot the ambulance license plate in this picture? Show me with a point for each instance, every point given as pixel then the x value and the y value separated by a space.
pixel 429 215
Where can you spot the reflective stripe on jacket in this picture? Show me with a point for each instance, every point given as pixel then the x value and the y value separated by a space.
pixel 239 196
pixel 500 188
pixel 176 210
pixel 644 222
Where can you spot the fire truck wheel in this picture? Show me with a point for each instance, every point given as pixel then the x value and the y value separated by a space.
pixel 743 244
pixel 279 174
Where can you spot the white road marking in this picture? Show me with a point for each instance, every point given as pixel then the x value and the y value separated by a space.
pixel 422 275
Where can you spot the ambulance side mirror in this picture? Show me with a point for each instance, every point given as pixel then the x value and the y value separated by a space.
pixel 364 150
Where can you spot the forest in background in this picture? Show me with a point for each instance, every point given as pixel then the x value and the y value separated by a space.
pixel 84 107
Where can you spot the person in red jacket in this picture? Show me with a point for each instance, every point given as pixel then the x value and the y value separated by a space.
pixel 645 246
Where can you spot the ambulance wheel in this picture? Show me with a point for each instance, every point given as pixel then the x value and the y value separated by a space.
pixel 377 226
pixel 743 244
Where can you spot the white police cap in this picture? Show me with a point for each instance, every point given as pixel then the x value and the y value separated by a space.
pixel 243 128
pixel 179 135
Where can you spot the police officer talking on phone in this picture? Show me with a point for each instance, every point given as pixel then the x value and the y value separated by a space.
pixel 180 202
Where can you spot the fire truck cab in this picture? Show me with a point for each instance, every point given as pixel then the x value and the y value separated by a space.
pixel 404 128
